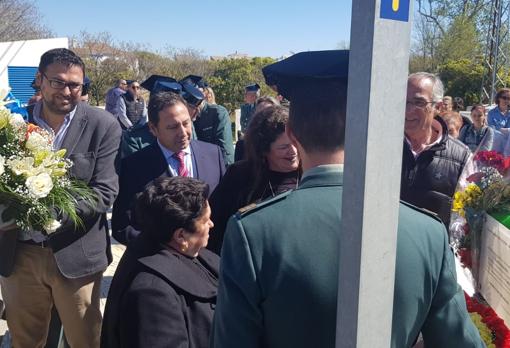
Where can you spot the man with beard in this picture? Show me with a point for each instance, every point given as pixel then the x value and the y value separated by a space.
pixel 173 154
pixel 64 269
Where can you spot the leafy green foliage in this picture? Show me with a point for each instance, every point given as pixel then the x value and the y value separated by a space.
pixel 462 78
pixel 230 76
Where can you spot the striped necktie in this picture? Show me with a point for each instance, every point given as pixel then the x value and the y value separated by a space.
pixel 183 171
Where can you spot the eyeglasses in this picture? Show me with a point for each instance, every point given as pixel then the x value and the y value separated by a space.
pixel 505 97
pixel 135 87
pixel 58 84
pixel 418 103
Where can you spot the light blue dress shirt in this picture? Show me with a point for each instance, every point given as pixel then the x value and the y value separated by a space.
pixel 173 163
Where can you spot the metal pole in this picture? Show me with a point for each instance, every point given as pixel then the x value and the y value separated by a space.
pixel 499 6
pixel 378 68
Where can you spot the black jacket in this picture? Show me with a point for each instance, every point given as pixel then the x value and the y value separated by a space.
pixel 238 188
pixel 157 300
pixel 430 180
pixel 232 193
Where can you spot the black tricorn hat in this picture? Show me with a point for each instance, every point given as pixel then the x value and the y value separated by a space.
pixel 196 80
pixel 191 94
pixel 157 81
pixel 252 88
pixel 311 74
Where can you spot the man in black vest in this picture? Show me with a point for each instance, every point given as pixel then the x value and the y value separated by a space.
pixel 211 122
pixel 131 108
pixel 432 161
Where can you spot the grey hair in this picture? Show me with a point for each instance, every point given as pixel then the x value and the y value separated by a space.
pixel 437 84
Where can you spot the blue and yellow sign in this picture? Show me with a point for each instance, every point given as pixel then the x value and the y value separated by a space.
pixel 397 10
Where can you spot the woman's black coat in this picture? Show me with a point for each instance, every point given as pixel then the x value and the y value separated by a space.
pixel 157 300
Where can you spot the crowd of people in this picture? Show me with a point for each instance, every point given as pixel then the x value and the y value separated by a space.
pixel 483 130
pixel 181 199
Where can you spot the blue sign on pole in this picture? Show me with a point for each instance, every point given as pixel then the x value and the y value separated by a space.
pixel 397 10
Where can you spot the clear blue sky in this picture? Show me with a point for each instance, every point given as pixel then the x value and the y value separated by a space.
pixel 216 27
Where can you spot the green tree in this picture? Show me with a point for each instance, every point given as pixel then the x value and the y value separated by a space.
pixel 460 41
pixel 105 62
pixel 230 76
pixel 462 78
pixel 448 29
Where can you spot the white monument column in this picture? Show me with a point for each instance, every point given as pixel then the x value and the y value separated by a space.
pixel 378 69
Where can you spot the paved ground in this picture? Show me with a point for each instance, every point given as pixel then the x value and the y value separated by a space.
pixel 117 251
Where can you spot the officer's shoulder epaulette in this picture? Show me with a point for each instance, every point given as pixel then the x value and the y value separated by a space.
pixel 422 210
pixel 251 208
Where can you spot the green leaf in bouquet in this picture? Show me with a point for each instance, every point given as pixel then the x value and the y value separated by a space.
pixel 66 199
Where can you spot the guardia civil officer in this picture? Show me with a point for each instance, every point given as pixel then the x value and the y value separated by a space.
pixel 279 262
pixel 211 122
pixel 251 93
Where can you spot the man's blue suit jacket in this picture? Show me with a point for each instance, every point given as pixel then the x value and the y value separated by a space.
pixel 143 166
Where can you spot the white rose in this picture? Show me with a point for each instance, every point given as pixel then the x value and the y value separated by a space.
pixel 16 120
pixel 2 165
pixel 39 186
pixel 36 142
pixel 21 165
pixel 52 226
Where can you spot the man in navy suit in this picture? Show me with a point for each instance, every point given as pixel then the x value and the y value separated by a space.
pixel 174 153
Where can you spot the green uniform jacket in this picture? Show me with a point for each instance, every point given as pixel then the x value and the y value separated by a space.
pixel 279 281
pixel 246 114
pixel 213 126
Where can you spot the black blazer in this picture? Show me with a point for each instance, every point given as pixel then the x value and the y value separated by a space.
pixel 230 195
pixel 157 300
pixel 92 143
pixel 145 165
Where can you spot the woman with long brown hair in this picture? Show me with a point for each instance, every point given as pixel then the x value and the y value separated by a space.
pixel 270 168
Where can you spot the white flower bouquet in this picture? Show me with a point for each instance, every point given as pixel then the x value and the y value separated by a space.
pixel 35 186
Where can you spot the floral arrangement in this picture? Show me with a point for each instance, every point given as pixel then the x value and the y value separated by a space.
pixel 487 190
pixel 35 188
pixel 492 328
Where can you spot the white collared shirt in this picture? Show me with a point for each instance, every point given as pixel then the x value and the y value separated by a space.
pixel 173 163
pixel 58 137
